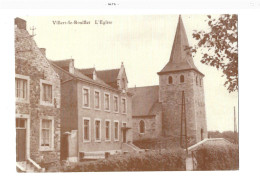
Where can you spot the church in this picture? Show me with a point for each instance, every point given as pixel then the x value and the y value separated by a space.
pixel 157 111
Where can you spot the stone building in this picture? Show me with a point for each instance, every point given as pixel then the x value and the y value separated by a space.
pixel 96 111
pixel 157 109
pixel 37 110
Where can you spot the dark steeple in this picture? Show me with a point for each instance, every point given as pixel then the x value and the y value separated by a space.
pixel 180 59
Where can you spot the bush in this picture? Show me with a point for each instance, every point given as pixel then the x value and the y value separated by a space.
pixel 157 143
pixel 217 157
pixel 149 161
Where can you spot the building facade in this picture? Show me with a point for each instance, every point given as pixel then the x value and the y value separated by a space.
pixel 37 110
pixel 157 110
pixel 96 110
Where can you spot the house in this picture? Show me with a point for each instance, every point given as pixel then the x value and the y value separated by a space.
pixel 96 111
pixel 37 105
pixel 158 110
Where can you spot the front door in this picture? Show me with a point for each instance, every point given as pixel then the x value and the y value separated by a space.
pixel 20 139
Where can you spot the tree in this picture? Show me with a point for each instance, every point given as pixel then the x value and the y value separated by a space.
pixel 219 47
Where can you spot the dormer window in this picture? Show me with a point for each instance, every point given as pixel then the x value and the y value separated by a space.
pixel 169 80
pixel 182 79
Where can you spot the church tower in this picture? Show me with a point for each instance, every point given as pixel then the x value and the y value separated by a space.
pixel 180 74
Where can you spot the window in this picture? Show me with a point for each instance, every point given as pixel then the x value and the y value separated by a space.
pixel 181 78
pixel 86 130
pixel 116 109
pixel 86 97
pixel 20 123
pixel 107 130
pixel 200 82
pixel 142 126
pixel 46 93
pixel 196 80
pixel 169 80
pixel 97 99
pixel 97 130
pixel 124 105
pixel 116 130
pixel 107 102
pixel 46 141
pixel 21 88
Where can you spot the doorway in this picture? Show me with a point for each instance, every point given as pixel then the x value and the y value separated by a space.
pixel 20 139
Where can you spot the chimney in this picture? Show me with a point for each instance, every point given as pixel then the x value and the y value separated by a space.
pixel 20 23
pixel 71 66
pixel 43 51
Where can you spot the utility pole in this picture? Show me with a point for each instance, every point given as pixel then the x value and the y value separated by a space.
pixel 183 121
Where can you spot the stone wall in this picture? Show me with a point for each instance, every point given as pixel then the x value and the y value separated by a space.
pixel 171 98
pixel 29 61
pixel 153 127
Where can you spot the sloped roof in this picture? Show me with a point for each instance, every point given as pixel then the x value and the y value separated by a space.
pixel 64 64
pixel 145 100
pixel 181 58
pixel 108 76
pixel 87 71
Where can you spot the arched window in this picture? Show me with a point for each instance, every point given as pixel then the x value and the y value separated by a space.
pixel 142 126
pixel 196 80
pixel 181 78
pixel 169 80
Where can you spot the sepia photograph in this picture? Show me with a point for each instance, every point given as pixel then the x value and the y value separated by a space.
pixel 109 93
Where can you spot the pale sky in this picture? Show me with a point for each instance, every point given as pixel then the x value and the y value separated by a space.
pixel 143 43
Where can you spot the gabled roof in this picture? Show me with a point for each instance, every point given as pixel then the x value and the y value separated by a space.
pixel 181 58
pixel 109 76
pixel 145 101
pixel 64 64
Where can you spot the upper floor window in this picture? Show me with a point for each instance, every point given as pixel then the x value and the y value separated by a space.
pixel 97 99
pixel 86 97
pixel 196 80
pixel 116 109
pixel 21 88
pixel 86 129
pixel 142 126
pixel 182 78
pixel 107 102
pixel 47 137
pixel 46 93
pixel 170 80
pixel 124 105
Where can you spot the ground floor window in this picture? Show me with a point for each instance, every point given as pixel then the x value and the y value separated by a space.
pixel 116 130
pixel 107 130
pixel 86 129
pixel 46 139
pixel 97 130
pixel 142 126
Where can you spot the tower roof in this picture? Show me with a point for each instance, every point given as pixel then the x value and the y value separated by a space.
pixel 180 58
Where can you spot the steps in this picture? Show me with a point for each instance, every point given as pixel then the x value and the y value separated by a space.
pixel 27 166
pixel 130 147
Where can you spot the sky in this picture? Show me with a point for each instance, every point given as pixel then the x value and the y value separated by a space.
pixel 142 42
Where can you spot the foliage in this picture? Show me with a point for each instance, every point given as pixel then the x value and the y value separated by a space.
pixel 157 143
pixel 219 47
pixel 148 161
pixel 229 135
pixel 217 157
